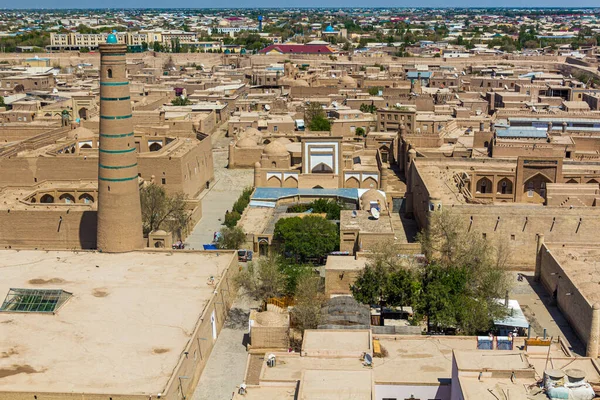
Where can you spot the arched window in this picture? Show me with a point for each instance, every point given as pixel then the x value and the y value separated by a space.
pixel 274 164
pixel 484 185
pixel 155 146
pixel 109 73
pixel 67 198
pixel 86 198
pixel 47 199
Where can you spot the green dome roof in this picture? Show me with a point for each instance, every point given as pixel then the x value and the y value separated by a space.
pixel 112 39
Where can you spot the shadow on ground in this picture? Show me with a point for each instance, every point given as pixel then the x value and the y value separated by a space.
pixel 559 319
pixel 237 319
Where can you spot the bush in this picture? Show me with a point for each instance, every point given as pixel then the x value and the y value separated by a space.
pixel 329 207
pixel 232 218
pixel 231 238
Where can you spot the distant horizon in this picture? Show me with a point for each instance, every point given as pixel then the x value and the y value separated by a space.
pixel 46 5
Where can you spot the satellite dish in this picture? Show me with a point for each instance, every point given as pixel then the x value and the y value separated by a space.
pixel 354 214
pixel 267 107
pixel 368 360
pixel 398 105
pixel 463 72
pixel 505 87
pixel 375 212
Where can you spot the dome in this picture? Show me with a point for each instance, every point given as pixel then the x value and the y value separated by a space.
pixel 329 29
pixel 283 141
pixel 348 80
pixel 275 149
pixel 372 195
pixel 251 132
pixel 159 232
pixel 112 39
pixel 246 142
pixel 293 82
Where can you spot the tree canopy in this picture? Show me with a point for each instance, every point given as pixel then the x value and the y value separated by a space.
pixel 306 238
pixel 231 238
pixel 459 285
pixel 316 118
pixel 163 211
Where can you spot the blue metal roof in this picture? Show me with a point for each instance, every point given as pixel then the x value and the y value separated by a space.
pixel 521 132
pixel 415 74
pixel 274 194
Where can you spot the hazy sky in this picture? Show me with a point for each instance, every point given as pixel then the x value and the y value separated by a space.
pixel 290 3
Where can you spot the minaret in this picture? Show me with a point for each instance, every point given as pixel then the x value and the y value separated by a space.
pixel 119 211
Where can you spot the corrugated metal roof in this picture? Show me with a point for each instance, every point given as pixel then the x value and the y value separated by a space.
pixel 515 318
pixel 517 132
pixel 264 194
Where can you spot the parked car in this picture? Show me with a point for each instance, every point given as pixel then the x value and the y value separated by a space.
pixel 244 255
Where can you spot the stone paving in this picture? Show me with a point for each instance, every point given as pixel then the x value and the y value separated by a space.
pixel 219 198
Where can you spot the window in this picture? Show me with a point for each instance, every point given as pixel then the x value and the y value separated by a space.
pixel 34 300
pixel 275 129
pixel 164 181
pixel 109 73
pixel 512 237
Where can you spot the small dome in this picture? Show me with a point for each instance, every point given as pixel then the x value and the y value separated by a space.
pixel 372 195
pixel 275 149
pixel 293 82
pixel 251 132
pixel 347 80
pixel 112 39
pixel 329 29
pixel 159 232
pixel 246 142
pixel 283 141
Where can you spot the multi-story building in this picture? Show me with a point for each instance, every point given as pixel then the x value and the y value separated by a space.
pixel 78 41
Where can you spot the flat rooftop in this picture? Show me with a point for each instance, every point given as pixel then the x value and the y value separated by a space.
pixel 364 222
pixel 122 331
pixel 333 342
pixel 582 266
pixel 345 263
pixel 331 385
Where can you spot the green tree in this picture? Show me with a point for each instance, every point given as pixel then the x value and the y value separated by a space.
pixel 306 238
pixel 231 218
pixel 231 238
pixel 329 207
pixel 360 132
pixel 320 124
pixel 156 47
pixel 84 50
pixel 308 302
pixel 2 104
pixel 163 211
pixel 387 280
pixel 262 279
pixel 316 118
pixel 181 101
pixel 374 90
pixel 465 276
pixel 368 108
